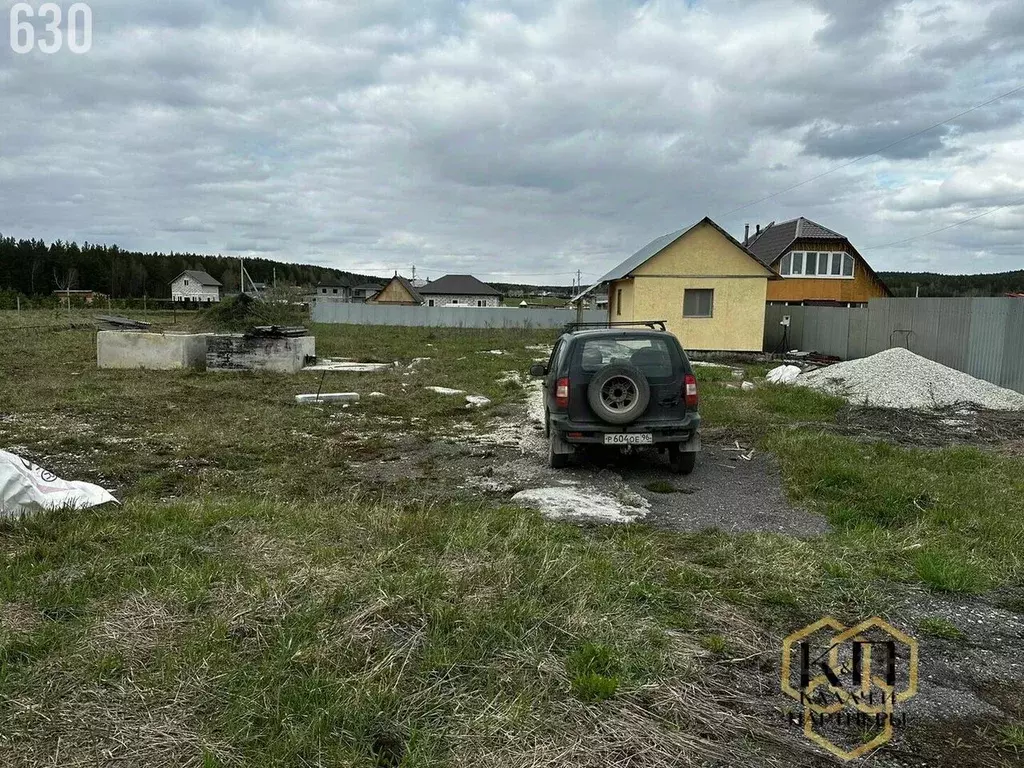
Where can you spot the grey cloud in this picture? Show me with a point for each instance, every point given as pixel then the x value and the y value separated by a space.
pixel 521 136
pixel 855 141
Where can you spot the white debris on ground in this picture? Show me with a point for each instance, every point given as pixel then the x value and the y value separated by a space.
pixel 573 502
pixel 784 374
pixel 377 394
pixel 416 361
pixel 26 487
pixel 348 367
pixel 748 385
pixel 477 401
pixel 702 364
pixel 897 378
pixel 446 390
pixel 491 352
pixel 328 397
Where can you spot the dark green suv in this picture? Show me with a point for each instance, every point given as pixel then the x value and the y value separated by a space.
pixel 620 385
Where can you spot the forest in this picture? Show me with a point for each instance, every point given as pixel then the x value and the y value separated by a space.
pixel 34 268
pixel 933 284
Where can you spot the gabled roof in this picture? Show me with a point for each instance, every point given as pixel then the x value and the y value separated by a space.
pixel 203 278
pixel 458 285
pixel 656 246
pixel 405 284
pixel 334 282
pixel 775 239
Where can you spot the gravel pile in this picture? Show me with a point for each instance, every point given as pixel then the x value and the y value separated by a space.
pixel 897 378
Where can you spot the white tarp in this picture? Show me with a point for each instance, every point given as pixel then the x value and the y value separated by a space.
pixel 784 374
pixel 25 487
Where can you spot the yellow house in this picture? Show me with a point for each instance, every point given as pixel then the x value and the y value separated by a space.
pixel 708 288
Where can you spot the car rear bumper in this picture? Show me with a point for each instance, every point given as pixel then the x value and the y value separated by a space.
pixel 572 432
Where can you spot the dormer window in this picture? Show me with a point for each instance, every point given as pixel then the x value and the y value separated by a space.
pixel 818 264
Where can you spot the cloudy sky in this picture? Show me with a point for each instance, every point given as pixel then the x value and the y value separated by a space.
pixel 517 139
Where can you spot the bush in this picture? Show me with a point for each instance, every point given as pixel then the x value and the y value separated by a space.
pixel 242 312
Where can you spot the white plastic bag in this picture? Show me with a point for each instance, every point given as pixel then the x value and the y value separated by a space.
pixel 784 374
pixel 24 488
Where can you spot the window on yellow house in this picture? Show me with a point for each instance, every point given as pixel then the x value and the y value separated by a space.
pixel 698 302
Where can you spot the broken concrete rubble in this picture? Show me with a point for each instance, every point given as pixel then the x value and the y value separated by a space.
pixel 477 401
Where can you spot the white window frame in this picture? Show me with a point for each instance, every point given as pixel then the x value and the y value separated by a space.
pixel 842 258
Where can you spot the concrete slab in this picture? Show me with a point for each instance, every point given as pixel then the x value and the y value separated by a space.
pixel 236 352
pixel 328 397
pixel 152 351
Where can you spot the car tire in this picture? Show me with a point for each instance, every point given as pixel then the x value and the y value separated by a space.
pixel 547 424
pixel 558 454
pixel 619 394
pixel 681 462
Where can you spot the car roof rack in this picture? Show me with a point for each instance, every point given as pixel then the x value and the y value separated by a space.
pixel 654 325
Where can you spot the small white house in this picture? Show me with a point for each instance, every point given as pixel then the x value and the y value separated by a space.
pixel 195 286
pixel 459 291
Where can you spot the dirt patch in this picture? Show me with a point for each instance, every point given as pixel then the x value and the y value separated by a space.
pixel 934 429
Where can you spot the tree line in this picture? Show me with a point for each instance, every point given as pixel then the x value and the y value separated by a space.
pixel 34 268
pixel 933 284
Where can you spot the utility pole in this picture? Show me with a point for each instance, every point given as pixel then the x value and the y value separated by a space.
pixel 275 278
pixel 414 272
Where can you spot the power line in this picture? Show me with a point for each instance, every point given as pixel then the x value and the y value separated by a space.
pixel 913 135
pixel 1020 201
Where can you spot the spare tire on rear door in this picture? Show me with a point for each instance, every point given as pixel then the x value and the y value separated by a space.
pixel 619 393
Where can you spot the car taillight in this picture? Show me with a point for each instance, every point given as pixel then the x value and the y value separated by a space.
pixel 562 393
pixel 690 390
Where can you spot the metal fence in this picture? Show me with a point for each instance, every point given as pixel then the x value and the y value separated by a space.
pixel 330 311
pixel 982 337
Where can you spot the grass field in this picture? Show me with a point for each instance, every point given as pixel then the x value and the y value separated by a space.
pixel 256 600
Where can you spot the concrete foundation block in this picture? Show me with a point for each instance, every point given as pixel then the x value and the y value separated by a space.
pixel 153 351
pixel 236 352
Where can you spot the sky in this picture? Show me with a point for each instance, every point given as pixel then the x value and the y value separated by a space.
pixel 518 140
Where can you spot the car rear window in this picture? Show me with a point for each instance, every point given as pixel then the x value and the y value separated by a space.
pixel 652 356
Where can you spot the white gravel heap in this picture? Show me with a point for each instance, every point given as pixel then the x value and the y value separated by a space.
pixel 897 378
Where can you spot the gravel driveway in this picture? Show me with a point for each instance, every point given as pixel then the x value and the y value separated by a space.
pixel 732 488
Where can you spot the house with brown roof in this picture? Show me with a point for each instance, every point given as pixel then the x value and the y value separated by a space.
pixel 398 290
pixel 817 265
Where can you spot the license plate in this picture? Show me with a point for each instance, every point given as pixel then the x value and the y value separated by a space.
pixel 636 438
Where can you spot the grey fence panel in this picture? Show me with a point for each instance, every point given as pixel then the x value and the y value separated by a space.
pixel 954 332
pixel 1013 348
pixel 857 343
pixel 448 317
pixel 987 339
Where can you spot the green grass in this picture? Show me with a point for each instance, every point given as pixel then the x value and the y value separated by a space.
pixel 935 626
pixel 270 605
pixel 660 486
pixel 1012 736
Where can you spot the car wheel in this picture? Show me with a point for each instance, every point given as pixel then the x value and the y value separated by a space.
pixel 558 455
pixel 619 394
pixel 681 462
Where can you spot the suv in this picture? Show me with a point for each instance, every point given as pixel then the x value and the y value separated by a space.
pixel 621 384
